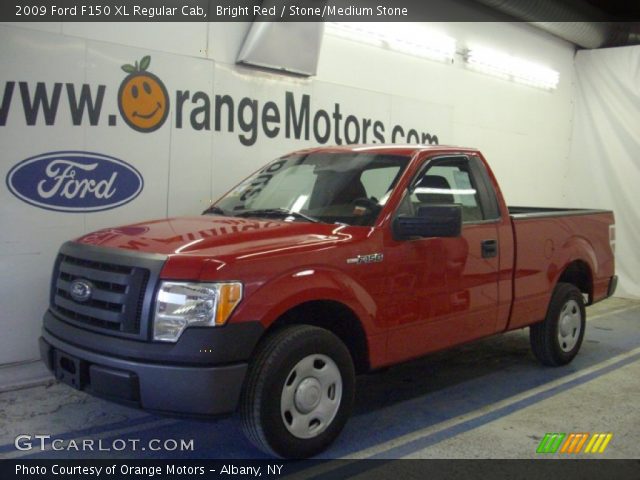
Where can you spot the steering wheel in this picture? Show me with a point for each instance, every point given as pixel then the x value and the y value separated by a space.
pixel 370 204
pixel 365 209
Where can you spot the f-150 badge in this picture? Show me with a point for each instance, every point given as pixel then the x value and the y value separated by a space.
pixel 371 258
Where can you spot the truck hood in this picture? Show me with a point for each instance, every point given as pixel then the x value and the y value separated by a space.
pixel 218 236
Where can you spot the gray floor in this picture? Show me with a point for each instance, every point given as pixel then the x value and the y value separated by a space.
pixel 489 399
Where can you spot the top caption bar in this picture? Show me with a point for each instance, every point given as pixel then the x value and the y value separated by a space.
pixel 273 11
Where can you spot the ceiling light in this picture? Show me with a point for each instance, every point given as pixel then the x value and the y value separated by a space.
pixel 512 68
pixel 400 37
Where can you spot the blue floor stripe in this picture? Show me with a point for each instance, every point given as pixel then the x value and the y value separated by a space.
pixel 473 423
pixel 418 444
pixel 498 378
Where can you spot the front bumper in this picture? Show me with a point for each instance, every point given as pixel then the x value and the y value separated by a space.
pixel 163 385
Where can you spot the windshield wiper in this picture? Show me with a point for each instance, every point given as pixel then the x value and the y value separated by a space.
pixel 214 210
pixel 276 212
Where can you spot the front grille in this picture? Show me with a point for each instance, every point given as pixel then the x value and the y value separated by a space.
pixel 119 295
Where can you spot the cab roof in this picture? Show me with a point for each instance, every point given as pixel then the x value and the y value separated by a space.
pixel 389 149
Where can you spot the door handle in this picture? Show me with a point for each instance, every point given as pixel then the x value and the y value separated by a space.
pixel 489 248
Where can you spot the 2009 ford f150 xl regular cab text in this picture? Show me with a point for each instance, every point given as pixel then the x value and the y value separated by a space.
pixel 325 263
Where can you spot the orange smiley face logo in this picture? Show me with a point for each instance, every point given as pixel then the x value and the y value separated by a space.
pixel 142 98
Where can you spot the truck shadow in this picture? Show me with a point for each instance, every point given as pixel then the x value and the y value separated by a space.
pixel 442 370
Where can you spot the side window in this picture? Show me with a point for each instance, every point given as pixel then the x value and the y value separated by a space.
pixel 448 181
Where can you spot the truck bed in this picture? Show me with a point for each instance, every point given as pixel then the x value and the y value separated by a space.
pixel 540 212
pixel 548 239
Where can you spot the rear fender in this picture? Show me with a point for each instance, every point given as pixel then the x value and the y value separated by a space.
pixel 576 248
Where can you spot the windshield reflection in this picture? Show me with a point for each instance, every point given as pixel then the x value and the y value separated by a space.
pixel 348 188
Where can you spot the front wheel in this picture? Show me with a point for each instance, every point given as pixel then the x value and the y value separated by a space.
pixel 557 340
pixel 298 393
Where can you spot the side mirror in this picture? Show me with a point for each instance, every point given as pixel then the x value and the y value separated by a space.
pixel 431 221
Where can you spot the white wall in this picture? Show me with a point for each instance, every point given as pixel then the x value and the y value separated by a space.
pixel 523 131
pixel 604 167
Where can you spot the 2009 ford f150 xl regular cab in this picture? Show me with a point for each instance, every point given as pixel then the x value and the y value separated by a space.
pixel 325 263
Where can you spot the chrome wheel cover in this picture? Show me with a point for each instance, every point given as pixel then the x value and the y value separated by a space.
pixel 311 396
pixel 569 325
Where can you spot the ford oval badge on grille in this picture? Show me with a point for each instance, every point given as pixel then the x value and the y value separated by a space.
pixel 80 290
pixel 73 181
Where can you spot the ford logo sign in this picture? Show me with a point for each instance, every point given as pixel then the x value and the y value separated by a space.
pixel 74 181
pixel 80 290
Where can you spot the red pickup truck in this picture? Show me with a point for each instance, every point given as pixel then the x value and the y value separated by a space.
pixel 326 263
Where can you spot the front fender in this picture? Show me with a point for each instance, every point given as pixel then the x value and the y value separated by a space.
pixel 309 283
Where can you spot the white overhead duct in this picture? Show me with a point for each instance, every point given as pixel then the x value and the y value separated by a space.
pixel 292 47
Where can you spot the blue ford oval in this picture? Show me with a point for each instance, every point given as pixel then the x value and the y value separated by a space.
pixel 73 181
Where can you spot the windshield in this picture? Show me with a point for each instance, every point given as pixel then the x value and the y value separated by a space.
pixel 349 188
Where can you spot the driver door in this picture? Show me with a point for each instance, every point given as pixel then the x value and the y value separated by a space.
pixel 444 291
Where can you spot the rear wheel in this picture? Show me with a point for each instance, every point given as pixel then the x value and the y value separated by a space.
pixel 299 392
pixel 557 340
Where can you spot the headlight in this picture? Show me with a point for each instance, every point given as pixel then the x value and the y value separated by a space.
pixel 183 304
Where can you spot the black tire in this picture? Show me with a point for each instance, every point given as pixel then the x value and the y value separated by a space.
pixel 263 421
pixel 557 340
